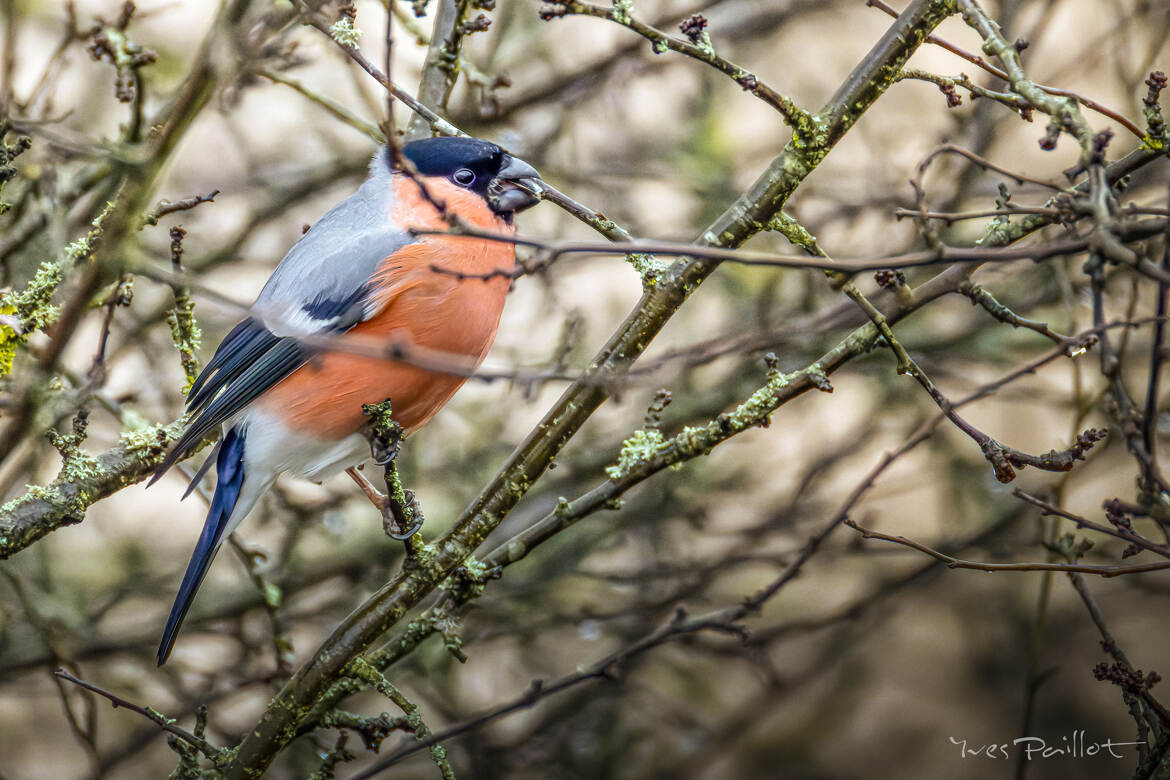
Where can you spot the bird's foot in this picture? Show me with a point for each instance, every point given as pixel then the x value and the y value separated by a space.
pixel 384 433
pixel 403 521
pixel 384 452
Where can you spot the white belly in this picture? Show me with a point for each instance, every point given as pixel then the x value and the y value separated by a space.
pixel 271 449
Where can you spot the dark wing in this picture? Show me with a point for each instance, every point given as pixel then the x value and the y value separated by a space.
pixel 232 379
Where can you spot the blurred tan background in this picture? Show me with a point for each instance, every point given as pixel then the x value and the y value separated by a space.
pixel 867 665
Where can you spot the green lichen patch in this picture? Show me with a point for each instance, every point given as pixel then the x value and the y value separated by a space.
pixel 641 446
pixel 32 309
pixel 622 11
pixel 152 441
pixel 344 32
pixel 25 312
pixel 788 226
pixel 648 267
pixel 759 405
pixel 8 153
pixel 467 581
pixel 83 248
pixel 704 44
pixel 185 335
pixel 691 442
pixel 819 379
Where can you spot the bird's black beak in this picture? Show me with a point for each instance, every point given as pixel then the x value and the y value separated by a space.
pixel 516 187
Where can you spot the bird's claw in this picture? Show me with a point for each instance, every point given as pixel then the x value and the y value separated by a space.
pixel 418 524
pixel 398 515
pixel 384 452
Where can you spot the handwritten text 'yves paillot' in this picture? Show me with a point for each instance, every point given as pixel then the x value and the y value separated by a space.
pixel 1069 746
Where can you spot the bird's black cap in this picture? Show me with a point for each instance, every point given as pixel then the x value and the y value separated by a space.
pixel 443 156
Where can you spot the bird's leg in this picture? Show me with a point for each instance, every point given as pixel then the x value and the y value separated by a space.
pixel 401 515
pixel 377 498
pixel 401 518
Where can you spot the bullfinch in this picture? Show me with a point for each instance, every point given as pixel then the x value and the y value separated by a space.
pixel 286 401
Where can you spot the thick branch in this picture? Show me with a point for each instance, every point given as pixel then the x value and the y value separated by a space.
pixel 442 64
pixel 81 482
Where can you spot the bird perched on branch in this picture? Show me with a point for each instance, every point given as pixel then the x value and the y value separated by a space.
pixel 288 383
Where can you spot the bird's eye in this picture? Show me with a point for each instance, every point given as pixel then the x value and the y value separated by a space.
pixel 464 177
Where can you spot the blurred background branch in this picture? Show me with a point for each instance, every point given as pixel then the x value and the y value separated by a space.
pixel 605 511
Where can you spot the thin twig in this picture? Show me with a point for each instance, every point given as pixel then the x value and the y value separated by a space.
pixel 987 66
pixel 957 563
pixel 213 753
